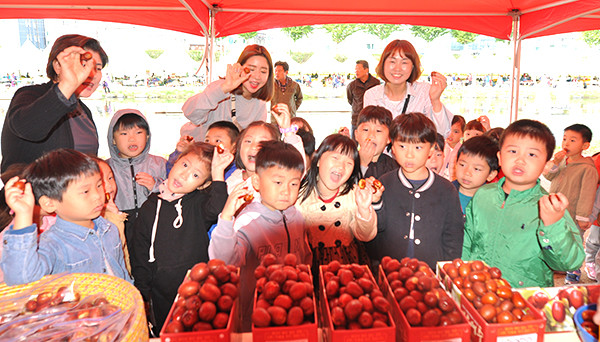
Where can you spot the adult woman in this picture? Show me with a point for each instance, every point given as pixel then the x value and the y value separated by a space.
pixel 48 116
pixel 241 97
pixel 400 67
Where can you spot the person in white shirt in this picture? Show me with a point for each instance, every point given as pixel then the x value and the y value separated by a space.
pixel 400 68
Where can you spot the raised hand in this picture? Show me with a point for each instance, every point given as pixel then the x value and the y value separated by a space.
pixel 236 199
pixel 552 207
pixel 220 161
pixel 281 112
pixel 72 69
pixel 236 75
pixel 144 179
pixel 19 198
pixel 438 84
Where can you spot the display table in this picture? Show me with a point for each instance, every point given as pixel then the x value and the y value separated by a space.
pixel 550 337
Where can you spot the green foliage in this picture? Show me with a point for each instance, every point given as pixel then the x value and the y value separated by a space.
pixel 377 56
pixel 154 54
pixel 381 31
pixel 456 56
pixel 463 37
pixel 300 57
pixel 592 38
pixel 297 32
pixel 340 58
pixel 428 33
pixel 196 55
pixel 339 32
pixel 248 35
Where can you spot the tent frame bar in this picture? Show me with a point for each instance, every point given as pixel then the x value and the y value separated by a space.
pixel 516 70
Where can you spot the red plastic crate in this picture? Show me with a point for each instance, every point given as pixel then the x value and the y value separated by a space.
pixel 330 334
pixel 483 331
pixel 217 335
pixel 408 333
pixel 306 332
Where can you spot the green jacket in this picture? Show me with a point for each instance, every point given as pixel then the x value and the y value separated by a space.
pixel 507 232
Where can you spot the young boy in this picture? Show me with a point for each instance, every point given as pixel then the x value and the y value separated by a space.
pixel 575 176
pixel 137 172
pixel 435 162
pixel 419 215
pixel 68 183
pixel 451 147
pixel 476 165
pixel 514 224
pixel 372 135
pixel 273 225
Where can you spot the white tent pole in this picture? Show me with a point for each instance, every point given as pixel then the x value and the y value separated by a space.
pixel 516 72
pixel 211 50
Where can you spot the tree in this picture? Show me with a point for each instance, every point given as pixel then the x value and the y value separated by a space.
pixel 297 32
pixel 339 32
pixel 248 35
pixel 196 55
pixel 154 54
pixel 592 37
pixel 300 57
pixel 428 33
pixel 381 31
pixel 464 37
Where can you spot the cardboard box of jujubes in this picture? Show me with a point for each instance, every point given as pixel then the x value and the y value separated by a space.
pixel 205 304
pixel 422 309
pixel 284 301
pixel 494 310
pixel 353 307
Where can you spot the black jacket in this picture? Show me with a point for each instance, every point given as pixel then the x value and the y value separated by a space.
pixel 37 122
pixel 175 249
pixel 433 211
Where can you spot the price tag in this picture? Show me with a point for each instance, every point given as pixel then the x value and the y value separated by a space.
pixel 518 338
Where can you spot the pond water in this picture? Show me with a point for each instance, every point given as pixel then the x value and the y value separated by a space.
pixel 556 107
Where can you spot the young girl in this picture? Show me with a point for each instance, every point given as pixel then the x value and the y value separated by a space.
pixel 435 161
pixel 337 213
pixel 249 141
pixel 170 234
pixel 111 212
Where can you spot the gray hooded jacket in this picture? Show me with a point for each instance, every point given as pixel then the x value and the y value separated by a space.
pixel 130 194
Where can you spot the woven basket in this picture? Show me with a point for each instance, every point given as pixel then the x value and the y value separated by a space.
pixel 116 290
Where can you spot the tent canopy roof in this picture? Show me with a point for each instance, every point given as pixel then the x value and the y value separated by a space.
pixel 490 18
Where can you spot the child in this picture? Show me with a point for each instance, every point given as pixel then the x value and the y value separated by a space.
pixel 249 142
pixel 226 134
pixel 476 165
pixel 273 225
pixel 337 212
pixel 308 140
pixel 219 132
pixel 68 183
pixel 435 162
pixel 514 224
pixel 575 176
pixel 452 145
pixel 137 172
pixel 592 243
pixel 473 128
pixel 111 212
pixel 419 216
pixel 302 124
pixel 373 135
pixel 169 236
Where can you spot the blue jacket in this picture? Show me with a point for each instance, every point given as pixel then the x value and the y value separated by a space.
pixel 64 247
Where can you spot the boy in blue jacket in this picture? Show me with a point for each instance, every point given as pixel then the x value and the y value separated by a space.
pixel 68 183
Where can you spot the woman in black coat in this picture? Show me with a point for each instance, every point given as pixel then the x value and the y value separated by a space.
pixel 48 116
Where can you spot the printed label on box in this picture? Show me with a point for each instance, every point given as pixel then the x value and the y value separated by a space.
pixel 518 338
pixel 458 339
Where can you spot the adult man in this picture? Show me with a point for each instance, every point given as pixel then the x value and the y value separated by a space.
pixel 356 89
pixel 286 90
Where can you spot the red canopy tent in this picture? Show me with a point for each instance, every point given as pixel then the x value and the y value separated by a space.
pixel 498 18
